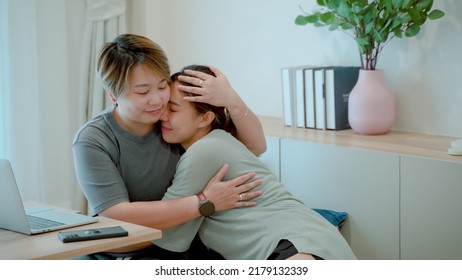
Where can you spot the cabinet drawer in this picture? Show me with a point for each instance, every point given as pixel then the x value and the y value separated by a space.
pixel 431 206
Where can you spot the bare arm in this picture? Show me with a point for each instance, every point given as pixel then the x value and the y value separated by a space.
pixel 217 91
pixel 249 129
pixel 168 213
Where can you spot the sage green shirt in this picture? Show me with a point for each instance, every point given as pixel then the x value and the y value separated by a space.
pixel 247 233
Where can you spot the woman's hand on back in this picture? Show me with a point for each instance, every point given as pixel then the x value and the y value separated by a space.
pixel 233 193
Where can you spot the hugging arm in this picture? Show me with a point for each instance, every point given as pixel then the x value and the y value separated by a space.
pixel 190 179
pixel 178 208
pixel 107 194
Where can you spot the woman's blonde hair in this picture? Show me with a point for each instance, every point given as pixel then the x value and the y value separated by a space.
pixel 117 59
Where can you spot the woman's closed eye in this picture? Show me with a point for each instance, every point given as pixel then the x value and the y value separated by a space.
pixel 172 109
pixel 173 106
pixel 163 85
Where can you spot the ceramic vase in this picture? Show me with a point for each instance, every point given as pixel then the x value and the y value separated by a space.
pixel 371 105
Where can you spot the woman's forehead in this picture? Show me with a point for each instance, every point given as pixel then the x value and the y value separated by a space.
pixel 176 96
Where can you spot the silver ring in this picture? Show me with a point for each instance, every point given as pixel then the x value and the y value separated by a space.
pixel 240 197
pixel 200 83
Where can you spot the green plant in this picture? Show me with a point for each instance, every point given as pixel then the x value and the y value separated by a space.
pixel 372 23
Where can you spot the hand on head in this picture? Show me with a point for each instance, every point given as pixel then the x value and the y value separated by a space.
pixel 216 90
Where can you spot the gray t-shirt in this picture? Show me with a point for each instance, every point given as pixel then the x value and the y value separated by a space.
pixel 247 233
pixel 113 165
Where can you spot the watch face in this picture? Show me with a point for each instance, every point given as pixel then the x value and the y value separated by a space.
pixel 206 208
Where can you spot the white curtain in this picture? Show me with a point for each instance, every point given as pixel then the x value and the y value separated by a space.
pixel 41 84
pixel 105 20
pixel 35 99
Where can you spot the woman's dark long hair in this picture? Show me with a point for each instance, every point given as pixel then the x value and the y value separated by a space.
pixel 222 118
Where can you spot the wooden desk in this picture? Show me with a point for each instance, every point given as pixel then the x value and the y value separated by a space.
pixel 17 246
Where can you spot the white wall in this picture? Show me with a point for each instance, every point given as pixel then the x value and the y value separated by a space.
pixel 251 40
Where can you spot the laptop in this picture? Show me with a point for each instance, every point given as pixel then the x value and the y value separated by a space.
pixel 35 219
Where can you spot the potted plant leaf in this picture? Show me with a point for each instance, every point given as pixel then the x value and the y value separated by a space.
pixel 372 24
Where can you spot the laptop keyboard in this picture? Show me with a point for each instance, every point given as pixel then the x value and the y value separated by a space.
pixel 40 223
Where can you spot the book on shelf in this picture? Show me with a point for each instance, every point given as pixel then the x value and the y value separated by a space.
pixel 286 96
pixel 317 96
pixel 338 81
pixel 288 99
pixel 319 99
pixel 299 97
pixel 293 90
pixel 310 101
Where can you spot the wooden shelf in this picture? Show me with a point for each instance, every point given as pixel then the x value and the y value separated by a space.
pixel 398 142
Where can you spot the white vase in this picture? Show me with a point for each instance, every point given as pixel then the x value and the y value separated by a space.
pixel 371 105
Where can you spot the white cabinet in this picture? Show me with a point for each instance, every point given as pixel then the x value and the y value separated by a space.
pixel 402 191
pixel 431 209
pixel 363 183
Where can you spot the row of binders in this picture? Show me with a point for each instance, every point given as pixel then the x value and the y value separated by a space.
pixel 317 96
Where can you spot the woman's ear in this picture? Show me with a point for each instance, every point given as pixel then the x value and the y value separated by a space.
pixel 207 119
pixel 112 97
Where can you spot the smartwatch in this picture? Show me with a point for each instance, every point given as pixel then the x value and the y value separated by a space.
pixel 206 207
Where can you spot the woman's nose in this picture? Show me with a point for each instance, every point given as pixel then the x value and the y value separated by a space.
pixel 164 116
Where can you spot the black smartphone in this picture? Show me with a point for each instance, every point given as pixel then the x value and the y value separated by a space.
pixel 91 234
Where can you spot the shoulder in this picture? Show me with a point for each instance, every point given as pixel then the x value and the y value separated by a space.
pixel 215 149
pixel 96 133
pixel 216 142
pixel 99 128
